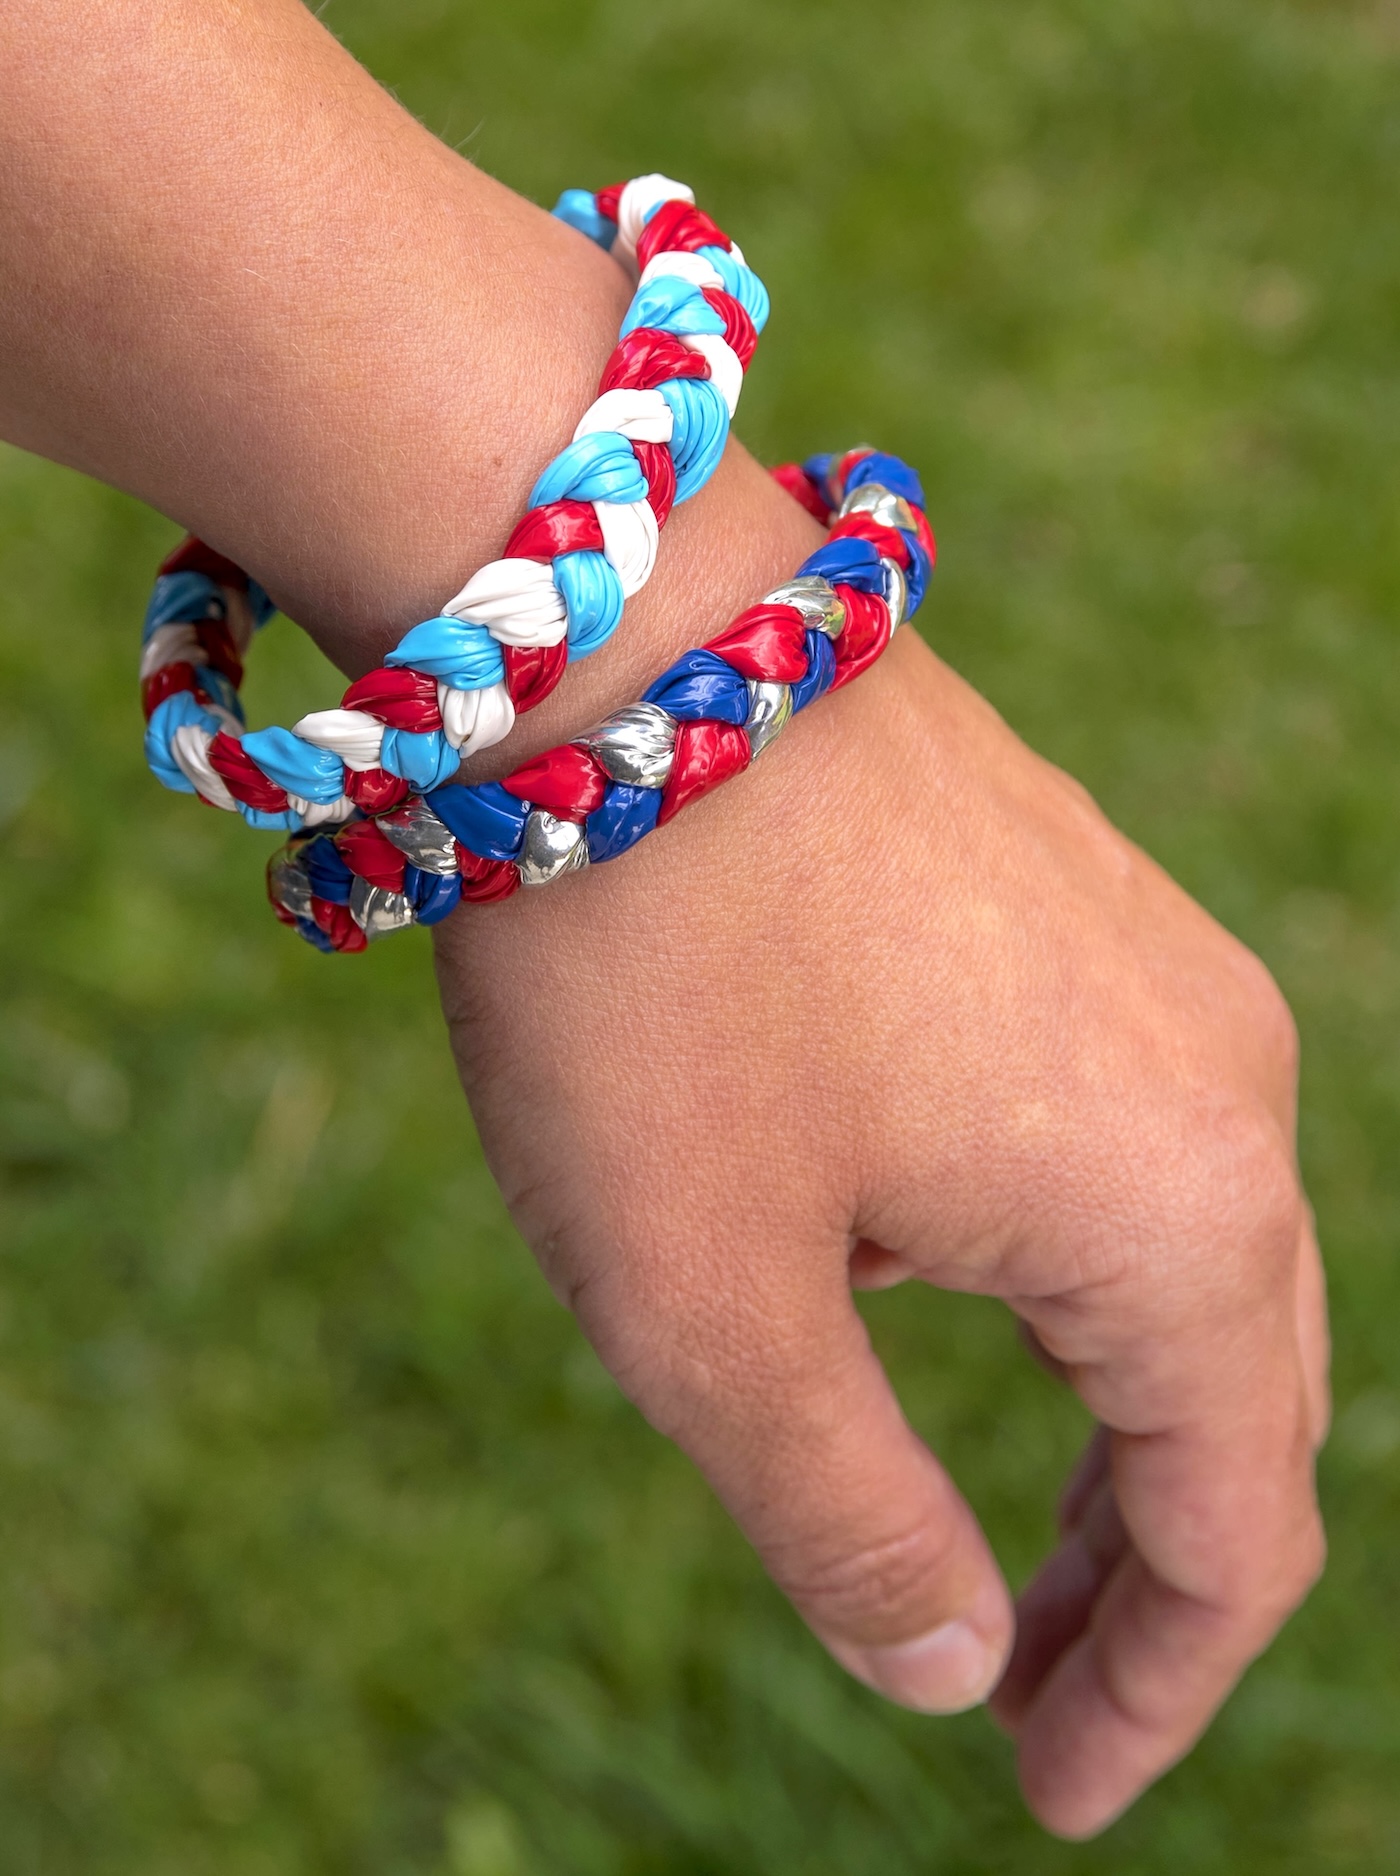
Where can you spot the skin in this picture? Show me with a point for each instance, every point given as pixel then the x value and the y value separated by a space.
pixel 898 1004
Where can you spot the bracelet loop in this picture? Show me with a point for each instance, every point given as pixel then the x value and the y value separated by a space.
pixel 455 683
pixel 714 711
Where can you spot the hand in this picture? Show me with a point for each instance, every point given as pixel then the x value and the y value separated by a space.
pixel 900 1003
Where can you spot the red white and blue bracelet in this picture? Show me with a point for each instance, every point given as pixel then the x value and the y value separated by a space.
pixel 455 684
pixel 705 719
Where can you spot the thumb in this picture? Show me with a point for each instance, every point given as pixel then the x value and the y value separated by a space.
pixel 775 1392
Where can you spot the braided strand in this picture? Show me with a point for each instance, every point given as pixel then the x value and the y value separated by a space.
pixel 455 683
pixel 706 718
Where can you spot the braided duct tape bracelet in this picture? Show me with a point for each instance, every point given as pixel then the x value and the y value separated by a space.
pixel 706 718
pixel 455 684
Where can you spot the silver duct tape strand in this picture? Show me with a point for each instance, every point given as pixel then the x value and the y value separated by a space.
pixel 815 598
pixel 896 592
pixel 881 504
pixel 290 886
pixel 551 847
pixel 377 911
pixel 770 711
pixel 418 834
pixel 635 745
pixel 856 449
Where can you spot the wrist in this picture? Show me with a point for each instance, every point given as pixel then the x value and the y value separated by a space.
pixel 594 797
pixel 409 475
pixel 739 537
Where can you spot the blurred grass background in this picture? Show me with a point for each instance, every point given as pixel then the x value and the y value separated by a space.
pixel 325 1545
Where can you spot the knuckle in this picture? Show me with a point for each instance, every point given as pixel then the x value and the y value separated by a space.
pixel 1291 1582
pixel 1310 1559
pixel 1223 1212
pixel 1270 1019
pixel 1269 1190
pixel 870 1592
pixel 1272 1209
pixel 1251 1188
pixel 1282 1580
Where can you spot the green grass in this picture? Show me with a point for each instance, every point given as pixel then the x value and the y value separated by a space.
pixel 325 1544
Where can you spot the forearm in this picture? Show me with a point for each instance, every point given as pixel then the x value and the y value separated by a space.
pixel 244 284
pixel 899 1005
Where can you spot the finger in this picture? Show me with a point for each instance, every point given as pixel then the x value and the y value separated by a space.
pixel 1217 1501
pixel 1082 1486
pixel 872 1267
pixel 1055 1607
pixel 1038 1352
pixel 773 1389
pixel 1056 1604
pixel 1116 1711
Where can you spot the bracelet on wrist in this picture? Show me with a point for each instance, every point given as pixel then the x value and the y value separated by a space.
pixel 706 718
pixel 455 683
